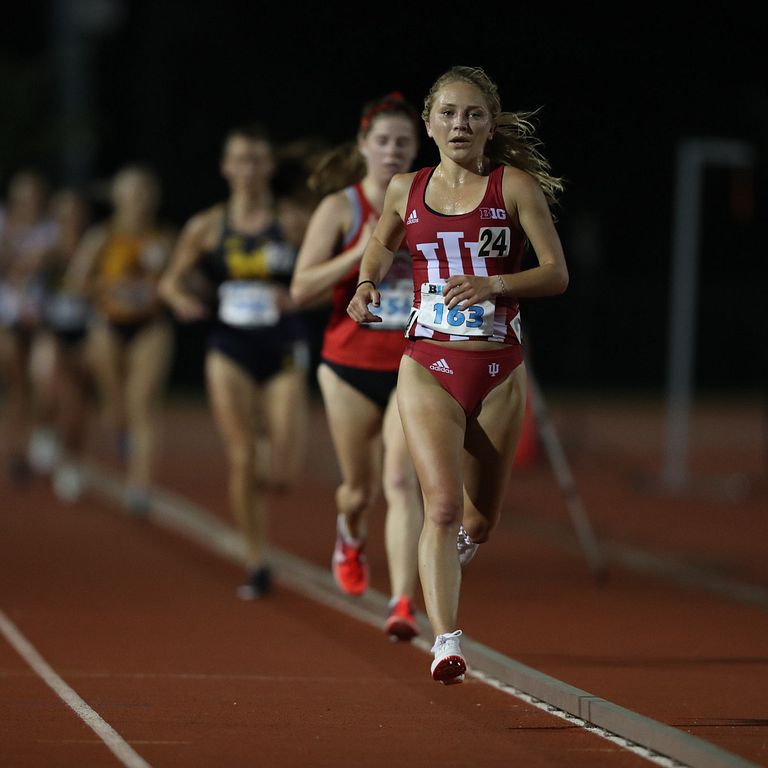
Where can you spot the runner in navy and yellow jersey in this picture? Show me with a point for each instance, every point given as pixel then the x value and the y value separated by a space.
pixel 461 388
pixel 257 357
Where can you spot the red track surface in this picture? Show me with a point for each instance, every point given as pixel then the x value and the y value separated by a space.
pixel 146 628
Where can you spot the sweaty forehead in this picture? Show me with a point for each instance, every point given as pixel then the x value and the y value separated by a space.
pixel 461 93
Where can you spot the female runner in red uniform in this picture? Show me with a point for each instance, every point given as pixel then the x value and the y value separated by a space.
pixel 358 372
pixel 461 388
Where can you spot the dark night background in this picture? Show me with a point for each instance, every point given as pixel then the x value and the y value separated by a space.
pixel 619 87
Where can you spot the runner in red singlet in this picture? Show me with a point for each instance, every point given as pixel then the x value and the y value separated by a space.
pixel 461 389
pixel 359 366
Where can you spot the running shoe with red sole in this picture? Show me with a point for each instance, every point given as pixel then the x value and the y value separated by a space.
pixel 401 622
pixel 349 564
pixel 449 665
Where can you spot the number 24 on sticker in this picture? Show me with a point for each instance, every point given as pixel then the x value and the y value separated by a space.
pixel 494 242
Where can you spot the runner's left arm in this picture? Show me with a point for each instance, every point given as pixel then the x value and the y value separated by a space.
pixel 380 252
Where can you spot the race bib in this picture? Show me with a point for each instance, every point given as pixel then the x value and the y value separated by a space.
pixel 395 305
pixel 248 304
pixel 65 312
pixel 21 304
pixel 475 320
pixel 131 295
pixel 10 305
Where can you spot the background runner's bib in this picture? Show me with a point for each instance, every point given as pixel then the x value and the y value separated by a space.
pixel 475 320
pixel 10 305
pixel 129 297
pixel 66 312
pixel 395 305
pixel 248 304
pixel 24 303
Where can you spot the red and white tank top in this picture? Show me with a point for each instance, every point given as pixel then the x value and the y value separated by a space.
pixel 375 347
pixel 485 241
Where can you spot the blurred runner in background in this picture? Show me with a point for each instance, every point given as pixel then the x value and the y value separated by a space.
pixel 119 265
pixel 256 362
pixel 358 372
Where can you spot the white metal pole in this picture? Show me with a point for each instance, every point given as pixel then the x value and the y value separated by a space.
pixel 692 156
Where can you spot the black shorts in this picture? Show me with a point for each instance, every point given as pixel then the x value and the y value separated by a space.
pixel 261 352
pixel 375 385
pixel 128 331
pixel 70 338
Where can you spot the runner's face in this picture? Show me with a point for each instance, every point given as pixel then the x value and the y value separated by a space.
pixel 27 192
pixel 247 164
pixel 70 211
pixel 389 147
pixel 460 122
pixel 133 190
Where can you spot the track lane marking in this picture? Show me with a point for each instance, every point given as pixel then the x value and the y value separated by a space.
pixel 106 733
pixel 656 742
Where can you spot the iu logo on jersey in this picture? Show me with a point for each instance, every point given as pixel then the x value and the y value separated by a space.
pixel 493 369
pixel 494 242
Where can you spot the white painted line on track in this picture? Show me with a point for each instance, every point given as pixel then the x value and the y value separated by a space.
pixel 638 749
pixel 656 742
pixel 111 738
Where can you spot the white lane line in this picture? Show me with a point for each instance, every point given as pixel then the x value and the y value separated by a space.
pixel 111 738
pixel 655 741
pixel 624 743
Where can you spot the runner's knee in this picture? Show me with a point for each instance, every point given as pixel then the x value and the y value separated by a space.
pixel 241 456
pixel 444 511
pixel 400 483
pixel 353 499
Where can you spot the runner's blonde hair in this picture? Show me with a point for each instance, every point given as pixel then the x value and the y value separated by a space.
pixel 514 141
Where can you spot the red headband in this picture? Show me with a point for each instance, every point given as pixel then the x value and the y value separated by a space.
pixel 385 104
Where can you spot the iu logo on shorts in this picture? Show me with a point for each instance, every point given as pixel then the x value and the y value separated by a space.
pixel 493 368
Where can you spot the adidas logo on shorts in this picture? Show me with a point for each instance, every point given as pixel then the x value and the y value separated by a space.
pixel 441 366
pixel 412 218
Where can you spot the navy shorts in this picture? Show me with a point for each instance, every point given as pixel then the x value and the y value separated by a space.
pixel 261 352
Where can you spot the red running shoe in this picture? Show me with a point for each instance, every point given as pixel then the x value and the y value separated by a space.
pixel 349 564
pixel 401 622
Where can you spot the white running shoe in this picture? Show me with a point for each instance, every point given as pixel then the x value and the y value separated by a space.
pixel 449 665
pixel 465 546
pixel 67 483
pixel 43 451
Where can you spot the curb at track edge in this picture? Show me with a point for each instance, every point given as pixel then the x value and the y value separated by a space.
pixel 647 737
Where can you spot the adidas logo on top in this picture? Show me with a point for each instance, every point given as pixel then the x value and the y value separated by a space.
pixel 441 366
pixel 412 218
